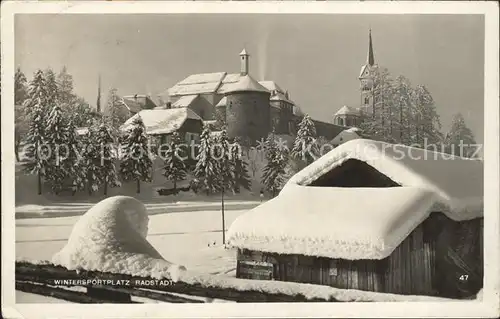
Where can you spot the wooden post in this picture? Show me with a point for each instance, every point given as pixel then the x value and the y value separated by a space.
pixel 223 219
pixel 39 184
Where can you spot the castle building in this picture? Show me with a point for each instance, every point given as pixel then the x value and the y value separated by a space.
pixel 354 116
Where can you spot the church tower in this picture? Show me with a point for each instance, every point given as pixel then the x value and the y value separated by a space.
pixel 366 78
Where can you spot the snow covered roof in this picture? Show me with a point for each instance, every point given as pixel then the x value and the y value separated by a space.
pixel 245 84
pixel 132 105
pixel 198 83
pixel 185 101
pixel 162 121
pixel 271 86
pixel 344 136
pixel 82 130
pixel 458 182
pixel 222 102
pixel 362 223
pixel 346 110
pixel 280 97
pixel 333 222
pixel 297 111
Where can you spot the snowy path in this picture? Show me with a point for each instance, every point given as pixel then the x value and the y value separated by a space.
pixel 77 209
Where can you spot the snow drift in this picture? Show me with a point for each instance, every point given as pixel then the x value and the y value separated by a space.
pixel 111 237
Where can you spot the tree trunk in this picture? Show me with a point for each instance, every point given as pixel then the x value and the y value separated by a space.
pixel 105 188
pixel 138 186
pixel 16 151
pixel 223 219
pixel 175 187
pixel 39 184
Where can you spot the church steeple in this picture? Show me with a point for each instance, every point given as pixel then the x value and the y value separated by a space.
pixel 370 59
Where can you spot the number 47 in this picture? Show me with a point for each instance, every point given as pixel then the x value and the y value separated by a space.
pixel 464 277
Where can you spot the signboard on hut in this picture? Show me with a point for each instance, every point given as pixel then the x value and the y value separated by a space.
pixel 254 270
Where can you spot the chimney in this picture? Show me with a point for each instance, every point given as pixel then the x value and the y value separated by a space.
pixel 244 62
pixel 286 94
pixel 169 105
pixel 135 96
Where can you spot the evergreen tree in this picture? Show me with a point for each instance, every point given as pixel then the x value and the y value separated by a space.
pixel 74 164
pixel 274 171
pixel 91 162
pixel 21 122
pixel 65 94
pixel 403 102
pixel 460 140
pixel 240 169
pixel 37 96
pixel 304 146
pixel 136 164
pixel 20 87
pixel 115 112
pixel 175 168
pixel 207 168
pixel 226 178
pixel 51 89
pixel 56 138
pixel 107 169
pixel 427 125
pixel 36 155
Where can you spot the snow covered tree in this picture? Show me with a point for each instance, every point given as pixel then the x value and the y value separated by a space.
pixel 20 87
pixel 51 89
pixel 74 163
pixel 55 139
pixel 403 102
pixel 136 164
pixel 35 153
pixel 107 170
pixel 21 122
pixel 226 179
pixel 207 166
pixel 240 169
pixel 37 96
pixel 65 94
pixel 426 122
pixel 274 171
pixel 115 112
pixel 460 140
pixel 304 146
pixel 175 168
pixel 91 162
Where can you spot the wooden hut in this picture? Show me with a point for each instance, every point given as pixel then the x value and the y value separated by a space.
pixel 371 216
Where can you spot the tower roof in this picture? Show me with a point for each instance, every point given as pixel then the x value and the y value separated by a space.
pixel 370 60
pixel 346 110
pixel 246 84
pixel 244 52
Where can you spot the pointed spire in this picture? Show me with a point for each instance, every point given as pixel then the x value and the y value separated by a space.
pixel 370 59
pixel 98 104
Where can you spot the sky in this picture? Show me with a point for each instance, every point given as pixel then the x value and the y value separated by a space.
pixel 316 57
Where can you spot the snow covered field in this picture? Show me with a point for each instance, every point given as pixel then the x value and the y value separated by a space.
pixel 40 238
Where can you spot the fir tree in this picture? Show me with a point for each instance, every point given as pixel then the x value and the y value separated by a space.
pixel 115 112
pixel 107 169
pixel 304 146
pixel 240 169
pixel 37 96
pixel 20 87
pixel 426 123
pixel 56 140
pixel 402 98
pixel 175 168
pixel 460 140
pixel 51 88
pixel 74 164
pixel 91 162
pixel 136 164
pixel 274 171
pixel 206 170
pixel 36 155
pixel 65 94
pixel 226 178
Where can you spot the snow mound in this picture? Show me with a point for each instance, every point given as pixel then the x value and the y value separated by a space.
pixel 111 237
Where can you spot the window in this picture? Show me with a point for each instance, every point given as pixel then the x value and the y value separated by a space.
pixel 367 100
pixel 341 121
